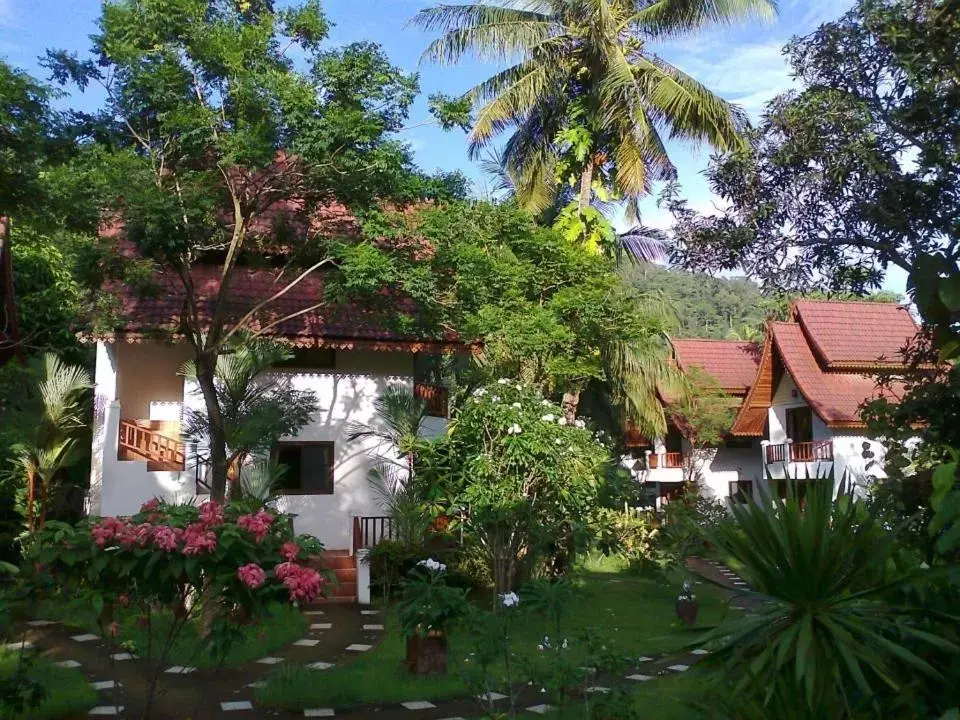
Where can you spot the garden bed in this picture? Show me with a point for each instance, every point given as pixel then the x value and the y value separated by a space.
pixel 636 614
pixel 67 691
pixel 281 625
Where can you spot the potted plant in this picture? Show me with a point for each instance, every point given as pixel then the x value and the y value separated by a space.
pixel 427 609
pixel 687 604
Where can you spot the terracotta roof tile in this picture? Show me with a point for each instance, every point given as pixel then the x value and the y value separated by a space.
pixel 856 334
pixel 334 326
pixel 732 363
pixel 835 396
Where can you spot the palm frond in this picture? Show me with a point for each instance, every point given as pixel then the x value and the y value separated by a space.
pixel 521 88
pixel 643 244
pixel 260 479
pixel 489 32
pixel 676 17
pixel 399 420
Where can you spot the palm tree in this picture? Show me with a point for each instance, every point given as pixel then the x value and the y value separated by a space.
pixel 400 417
pixel 257 406
pixel 586 99
pixel 54 445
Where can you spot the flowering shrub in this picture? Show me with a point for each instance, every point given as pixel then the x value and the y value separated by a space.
pixel 528 476
pixel 166 553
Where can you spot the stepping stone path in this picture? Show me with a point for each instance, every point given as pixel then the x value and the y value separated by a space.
pixel 359 647
pixel 318 712
pixel 307 642
pixel 232 705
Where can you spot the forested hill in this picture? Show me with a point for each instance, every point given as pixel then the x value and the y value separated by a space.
pixel 711 307
pixel 724 308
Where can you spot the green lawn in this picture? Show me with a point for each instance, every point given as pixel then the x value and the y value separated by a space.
pixel 635 614
pixel 68 693
pixel 282 625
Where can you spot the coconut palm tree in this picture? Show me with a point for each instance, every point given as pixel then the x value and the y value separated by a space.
pixel 54 445
pixel 585 98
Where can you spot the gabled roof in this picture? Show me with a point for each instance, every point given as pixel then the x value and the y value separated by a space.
pixel 732 363
pixel 847 334
pixel 831 350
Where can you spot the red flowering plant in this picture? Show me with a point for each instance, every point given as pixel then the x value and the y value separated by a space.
pixel 216 565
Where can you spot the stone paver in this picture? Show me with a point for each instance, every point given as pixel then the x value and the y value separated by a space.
pixel 418 705
pixel 19 645
pixel 121 656
pixel 86 637
pixel 679 668
pixel 307 642
pixel 318 712
pixel 597 689
pixel 270 660
pixel 700 651
pixel 369 612
pixel 541 709
pixel 321 626
pixel 639 678
pixel 373 627
pixel 232 705
pixel 102 710
pixel 41 623
pixel 105 685
pixel 180 670
pixel 359 647
pixel 320 665
pixel 67 664
pixel 491 696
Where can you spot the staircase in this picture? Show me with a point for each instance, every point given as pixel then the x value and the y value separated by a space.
pixel 145 440
pixel 344 567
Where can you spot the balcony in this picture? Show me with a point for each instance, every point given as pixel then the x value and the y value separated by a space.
pixel 816 451
pixel 153 441
pixel 435 397
pixel 667 460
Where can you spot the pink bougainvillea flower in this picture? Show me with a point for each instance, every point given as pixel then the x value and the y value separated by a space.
pixel 211 513
pixel 258 524
pixel 289 551
pixel 198 539
pixel 303 583
pixel 166 538
pixel 107 530
pixel 150 505
pixel 252 575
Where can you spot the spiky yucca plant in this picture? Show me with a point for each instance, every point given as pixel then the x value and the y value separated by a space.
pixel 823 631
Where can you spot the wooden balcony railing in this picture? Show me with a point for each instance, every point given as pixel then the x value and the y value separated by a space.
pixel 368 532
pixel 816 451
pixel 436 397
pixel 143 442
pixel 670 460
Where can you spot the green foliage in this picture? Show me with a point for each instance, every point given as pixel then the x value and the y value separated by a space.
pixel 257 405
pixel 526 476
pixel 705 413
pixel 826 634
pixel 451 112
pixel 427 603
pixel 36 688
pixel 822 195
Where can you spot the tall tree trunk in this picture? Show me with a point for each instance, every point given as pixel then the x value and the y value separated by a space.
pixel 218 438
pixel 31 497
pixel 571 399
pixel 586 185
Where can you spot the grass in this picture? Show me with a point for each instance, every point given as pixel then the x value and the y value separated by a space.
pixel 68 693
pixel 635 616
pixel 281 625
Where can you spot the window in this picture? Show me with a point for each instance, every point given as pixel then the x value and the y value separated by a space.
pixel 309 467
pixel 800 424
pixel 740 491
pixel 310 359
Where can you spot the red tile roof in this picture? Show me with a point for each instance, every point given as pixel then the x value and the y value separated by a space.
pixel 835 397
pixel 856 334
pixel 732 363
pixel 342 326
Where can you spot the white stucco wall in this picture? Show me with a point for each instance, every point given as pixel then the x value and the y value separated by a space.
pixel 724 465
pixel 847 447
pixel 146 379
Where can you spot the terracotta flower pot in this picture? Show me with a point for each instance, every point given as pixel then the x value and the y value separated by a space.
pixel 427 655
pixel 687 610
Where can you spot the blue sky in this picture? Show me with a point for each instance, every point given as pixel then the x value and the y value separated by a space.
pixel 744 64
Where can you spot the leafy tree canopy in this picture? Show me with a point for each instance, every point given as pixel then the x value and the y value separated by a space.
pixel 856 172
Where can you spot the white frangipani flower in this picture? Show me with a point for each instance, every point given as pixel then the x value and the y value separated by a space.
pixel 510 599
pixel 434 566
pixel 546 403
pixel 558 441
pixel 514 429
pixel 479 392
pixel 516 406
pixel 495 398
pixel 562 420
pixel 503 381
pixel 579 423
pixel 549 417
